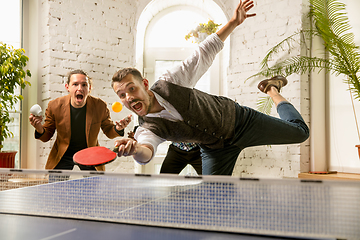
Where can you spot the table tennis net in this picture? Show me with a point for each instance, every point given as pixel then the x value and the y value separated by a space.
pixel 277 207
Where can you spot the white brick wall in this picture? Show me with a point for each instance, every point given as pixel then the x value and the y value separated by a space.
pixel 98 36
pixel 249 44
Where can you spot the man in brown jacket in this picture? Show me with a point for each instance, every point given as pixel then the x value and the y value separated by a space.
pixel 77 118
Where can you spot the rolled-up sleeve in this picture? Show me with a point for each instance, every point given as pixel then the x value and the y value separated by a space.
pixel 146 137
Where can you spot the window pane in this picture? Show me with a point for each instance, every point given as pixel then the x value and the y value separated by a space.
pixel 12 144
pixel 168 31
pixel 11 34
pixel 161 66
pixel 343 134
pixel 10 14
pixel 343 131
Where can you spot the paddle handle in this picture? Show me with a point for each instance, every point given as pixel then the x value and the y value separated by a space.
pixel 116 149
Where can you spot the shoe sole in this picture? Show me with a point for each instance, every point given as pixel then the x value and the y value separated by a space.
pixel 264 85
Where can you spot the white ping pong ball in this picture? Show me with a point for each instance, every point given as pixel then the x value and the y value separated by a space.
pixel 36 110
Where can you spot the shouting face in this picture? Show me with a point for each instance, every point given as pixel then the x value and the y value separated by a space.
pixel 134 94
pixel 79 89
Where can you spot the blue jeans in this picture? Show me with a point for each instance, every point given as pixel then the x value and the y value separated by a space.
pixel 253 128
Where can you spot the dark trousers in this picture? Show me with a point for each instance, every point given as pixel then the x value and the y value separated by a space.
pixel 253 128
pixel 67 163
pixel 177 159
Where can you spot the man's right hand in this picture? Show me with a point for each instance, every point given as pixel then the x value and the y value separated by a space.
pixel 130 147
pixel 35 121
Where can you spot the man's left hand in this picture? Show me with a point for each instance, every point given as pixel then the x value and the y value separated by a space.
pixel 123 123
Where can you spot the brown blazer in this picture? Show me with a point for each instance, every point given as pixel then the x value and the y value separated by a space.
pixel 57 117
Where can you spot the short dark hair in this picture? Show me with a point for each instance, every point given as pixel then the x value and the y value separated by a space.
pixel 119 75
pixel 78 71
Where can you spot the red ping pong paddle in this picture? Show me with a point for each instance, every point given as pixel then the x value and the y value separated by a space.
pixel 95 156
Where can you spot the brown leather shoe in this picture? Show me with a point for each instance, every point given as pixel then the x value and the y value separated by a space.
pixel 277 81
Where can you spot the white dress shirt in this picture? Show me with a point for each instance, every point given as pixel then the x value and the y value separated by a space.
pixel 187 74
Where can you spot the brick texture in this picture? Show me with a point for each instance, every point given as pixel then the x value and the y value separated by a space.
pixel 98 36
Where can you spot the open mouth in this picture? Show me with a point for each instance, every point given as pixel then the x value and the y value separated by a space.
pixel 137 106
pixel 79 97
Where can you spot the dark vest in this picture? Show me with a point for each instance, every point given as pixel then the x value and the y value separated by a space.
pixel 208 119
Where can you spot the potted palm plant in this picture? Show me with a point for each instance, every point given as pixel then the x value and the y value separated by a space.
pixel 329 21
pixel 12 78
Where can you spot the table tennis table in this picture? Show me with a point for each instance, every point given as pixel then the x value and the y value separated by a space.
pixel 94 205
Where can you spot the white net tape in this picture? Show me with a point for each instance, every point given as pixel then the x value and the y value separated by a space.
pixel 260 206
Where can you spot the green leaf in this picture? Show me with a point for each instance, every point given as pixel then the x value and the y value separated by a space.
pixel 265 104
pixel 12 76
pixel 331 24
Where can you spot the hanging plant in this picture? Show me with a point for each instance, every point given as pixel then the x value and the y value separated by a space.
pixel 202 31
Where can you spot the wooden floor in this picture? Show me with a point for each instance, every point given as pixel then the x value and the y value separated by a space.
pixel 332 176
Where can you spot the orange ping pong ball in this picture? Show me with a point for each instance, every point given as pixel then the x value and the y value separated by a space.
pixel 116 107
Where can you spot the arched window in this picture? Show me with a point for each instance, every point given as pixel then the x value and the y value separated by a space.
pixel 164 46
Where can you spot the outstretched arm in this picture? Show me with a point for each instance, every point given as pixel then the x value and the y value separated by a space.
pixel 191 69
pixel 129 147
pixel 239 17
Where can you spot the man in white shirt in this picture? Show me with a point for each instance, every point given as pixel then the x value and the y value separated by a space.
pixel 173 110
